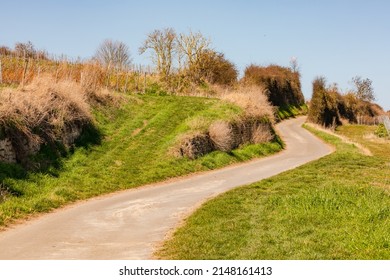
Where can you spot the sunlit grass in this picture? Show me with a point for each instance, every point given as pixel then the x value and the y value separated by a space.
pixel 337 207
pixel 134 152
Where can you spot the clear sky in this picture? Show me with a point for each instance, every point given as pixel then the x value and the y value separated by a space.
pixel 333 38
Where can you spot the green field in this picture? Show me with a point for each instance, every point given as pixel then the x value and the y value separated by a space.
pixel 337 207
pixel 135 150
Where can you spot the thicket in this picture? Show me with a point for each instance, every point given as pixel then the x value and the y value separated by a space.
pixel 253 125
pixel 330 108
pixel 48 114
pixel 282 84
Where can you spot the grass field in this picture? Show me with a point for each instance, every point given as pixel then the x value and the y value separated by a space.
pixel 134 151
pixel 337 207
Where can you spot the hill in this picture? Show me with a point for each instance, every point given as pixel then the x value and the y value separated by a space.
pixel 136 147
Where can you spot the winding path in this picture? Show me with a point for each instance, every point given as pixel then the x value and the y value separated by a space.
pixel 130 224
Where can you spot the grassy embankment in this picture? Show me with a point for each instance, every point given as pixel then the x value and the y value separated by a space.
pixel 337 207
pixel 134 151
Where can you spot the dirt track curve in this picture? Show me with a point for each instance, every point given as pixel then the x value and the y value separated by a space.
pixel 130 224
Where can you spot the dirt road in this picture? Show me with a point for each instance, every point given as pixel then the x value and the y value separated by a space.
pixel 130 224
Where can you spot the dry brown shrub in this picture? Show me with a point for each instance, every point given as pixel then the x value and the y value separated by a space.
pixel 221 134
pixel 193 145
pixel 42 112
pixel 103 96
pixel 282 84
pixel 252 100
pixel 261 133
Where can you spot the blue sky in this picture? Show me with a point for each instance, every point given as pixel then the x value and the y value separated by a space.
pixel 336 39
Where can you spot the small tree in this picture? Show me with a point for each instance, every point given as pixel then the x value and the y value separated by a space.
pixel 294 64
pixel 192 47
pixel 215 68
pixel 25 49
pixel 163 45
pixel 364 90
pixel 323 108
pixel 113 54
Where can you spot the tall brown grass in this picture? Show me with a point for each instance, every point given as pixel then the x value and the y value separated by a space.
pixel 18 70
pixel 252 99
pixel 261 133
pixel 39 112
pixel 47 112
pixel 221 134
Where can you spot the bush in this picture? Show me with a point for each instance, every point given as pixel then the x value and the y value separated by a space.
pixel 252 99
pixel 282 85
pixel 323 107
pixel 47 113
pixel 329 107
pixel 381 131
pixel 221 134
pixel 214 68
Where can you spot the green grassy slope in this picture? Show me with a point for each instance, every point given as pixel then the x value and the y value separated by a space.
pixel 134 151
pixel 335 208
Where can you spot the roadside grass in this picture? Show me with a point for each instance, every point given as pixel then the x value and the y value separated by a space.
pixel 337 207
pixel 134 151
pixel 291 111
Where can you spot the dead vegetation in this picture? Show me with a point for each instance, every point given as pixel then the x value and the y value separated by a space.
pixel 252 126
pixel 252 99
pixel 221 134
pixel 46 112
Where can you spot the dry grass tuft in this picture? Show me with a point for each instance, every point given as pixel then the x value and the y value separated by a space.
pixel 261 133
pixel 45 111
pixel 43 105
pixel 221 134
pixel 252 100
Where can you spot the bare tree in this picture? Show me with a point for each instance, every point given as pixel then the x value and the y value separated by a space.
pixel 294 64
pixel 25 49
pixel 191 47
pixel 364 90
pixel 114 54
pixel 162 43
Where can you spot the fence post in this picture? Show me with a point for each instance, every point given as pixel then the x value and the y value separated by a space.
pixel 26 60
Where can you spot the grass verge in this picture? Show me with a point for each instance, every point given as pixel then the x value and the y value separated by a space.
pixel 291 111
pixel 337 207
pixel 133 152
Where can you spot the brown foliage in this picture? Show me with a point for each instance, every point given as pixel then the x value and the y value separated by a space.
pixel 46 112
pixel 261 133
pixel 328 107
pixel 282 84
pixel 214 68
pixel 252 99
pixel 221 134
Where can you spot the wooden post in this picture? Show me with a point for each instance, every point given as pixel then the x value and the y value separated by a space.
pixel 25 70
